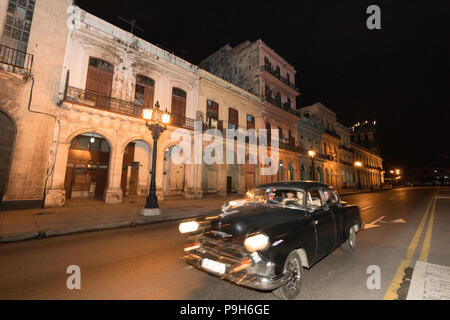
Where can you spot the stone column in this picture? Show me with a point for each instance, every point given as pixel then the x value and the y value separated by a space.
pixel 56 193
pixel 241 180
pixel 113 192
pixel 222 180
pixel 198 181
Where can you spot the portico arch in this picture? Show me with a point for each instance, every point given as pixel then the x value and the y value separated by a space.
pixel 7 139
pixel 87 168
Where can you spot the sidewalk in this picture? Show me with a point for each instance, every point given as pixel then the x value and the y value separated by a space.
pixel 91 214
pixel 429 282
pixel 79 215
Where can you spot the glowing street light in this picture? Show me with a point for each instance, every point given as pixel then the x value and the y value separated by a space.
pixel 312 154
pixel 156 121
pixel 358 164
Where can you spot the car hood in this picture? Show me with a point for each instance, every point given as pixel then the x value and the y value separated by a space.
pixel 247 219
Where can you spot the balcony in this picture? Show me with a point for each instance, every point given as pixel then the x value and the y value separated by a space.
pixel 344 147
pixel 332 133
pixel 102 102
pixel 279 76
pixel 283 106
pixel 16 59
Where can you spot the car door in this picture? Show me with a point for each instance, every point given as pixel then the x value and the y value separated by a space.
pixel 324 222
pixel 333 202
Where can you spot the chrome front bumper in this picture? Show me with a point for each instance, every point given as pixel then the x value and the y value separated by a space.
pixel 246 278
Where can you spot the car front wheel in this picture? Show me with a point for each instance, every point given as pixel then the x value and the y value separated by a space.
pixel 350 244
pixel 293 270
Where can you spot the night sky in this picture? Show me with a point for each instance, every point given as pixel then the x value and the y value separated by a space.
pixel 398 75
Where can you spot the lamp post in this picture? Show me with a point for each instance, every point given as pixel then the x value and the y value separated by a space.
pixel 312 154
pixel 156 121
pixel 358 164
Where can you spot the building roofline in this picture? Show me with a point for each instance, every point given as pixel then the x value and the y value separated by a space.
pixel 83 16
pixel 261 42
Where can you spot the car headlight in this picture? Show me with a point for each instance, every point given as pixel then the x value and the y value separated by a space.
pixel 189 226
pixel 256 242
pixel 235 203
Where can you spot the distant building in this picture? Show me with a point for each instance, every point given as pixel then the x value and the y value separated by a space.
pixel 364 133
pixel 335 161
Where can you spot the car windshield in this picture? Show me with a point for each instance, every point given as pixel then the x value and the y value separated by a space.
pixel 282 197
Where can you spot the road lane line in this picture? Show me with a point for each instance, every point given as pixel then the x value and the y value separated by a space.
pixel 391 293
pixel 427 241
pixel 368 207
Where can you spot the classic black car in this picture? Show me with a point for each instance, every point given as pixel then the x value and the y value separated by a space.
pixel 265 240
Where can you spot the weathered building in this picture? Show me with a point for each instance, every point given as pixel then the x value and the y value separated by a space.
pixel 73 90
pixel 336 158
pixel 256 68
pixel 227 106
pixel 32 50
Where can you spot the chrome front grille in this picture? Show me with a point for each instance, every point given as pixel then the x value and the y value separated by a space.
pixel 224 247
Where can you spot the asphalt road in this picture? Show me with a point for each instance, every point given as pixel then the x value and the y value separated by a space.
pixel 142 262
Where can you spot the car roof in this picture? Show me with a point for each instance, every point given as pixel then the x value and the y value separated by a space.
pixel 300 184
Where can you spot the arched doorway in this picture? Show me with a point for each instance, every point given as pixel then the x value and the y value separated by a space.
pixel 304 174
pixel 173 173
pixel 87 166
pixel 291 172
pixel 7 137
pixel 136 168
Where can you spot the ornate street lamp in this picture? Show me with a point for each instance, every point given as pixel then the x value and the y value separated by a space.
pixel 156 121
pixel 358 165
pixel 312 154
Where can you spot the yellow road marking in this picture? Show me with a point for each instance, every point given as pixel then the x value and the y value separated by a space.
pixel 391 293
pixel 427 241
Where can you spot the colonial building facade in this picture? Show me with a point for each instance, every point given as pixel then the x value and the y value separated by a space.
pixel 73 92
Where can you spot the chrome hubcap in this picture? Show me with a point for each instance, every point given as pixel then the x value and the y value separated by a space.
pixel 352 238
pixel 293 272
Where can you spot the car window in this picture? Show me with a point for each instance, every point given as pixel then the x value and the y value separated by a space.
pixel 314 199
pixel 330 197
pixel 284 197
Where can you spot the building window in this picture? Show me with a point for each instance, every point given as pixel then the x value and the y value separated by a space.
pixel 233 118
pixel 144 91
pixel 269 133
pixel 178 103
pixel 18 19
pixel 212 114
pixel 250 122
pixel 99 82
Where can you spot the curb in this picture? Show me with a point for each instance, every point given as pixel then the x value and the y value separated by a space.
pixel 104 226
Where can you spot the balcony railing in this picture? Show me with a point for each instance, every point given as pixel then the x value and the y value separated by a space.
pixel 344 147
pixel 332 133
pixel 277 103
pixel 16 58
pixel 102 102
pixel 279 76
